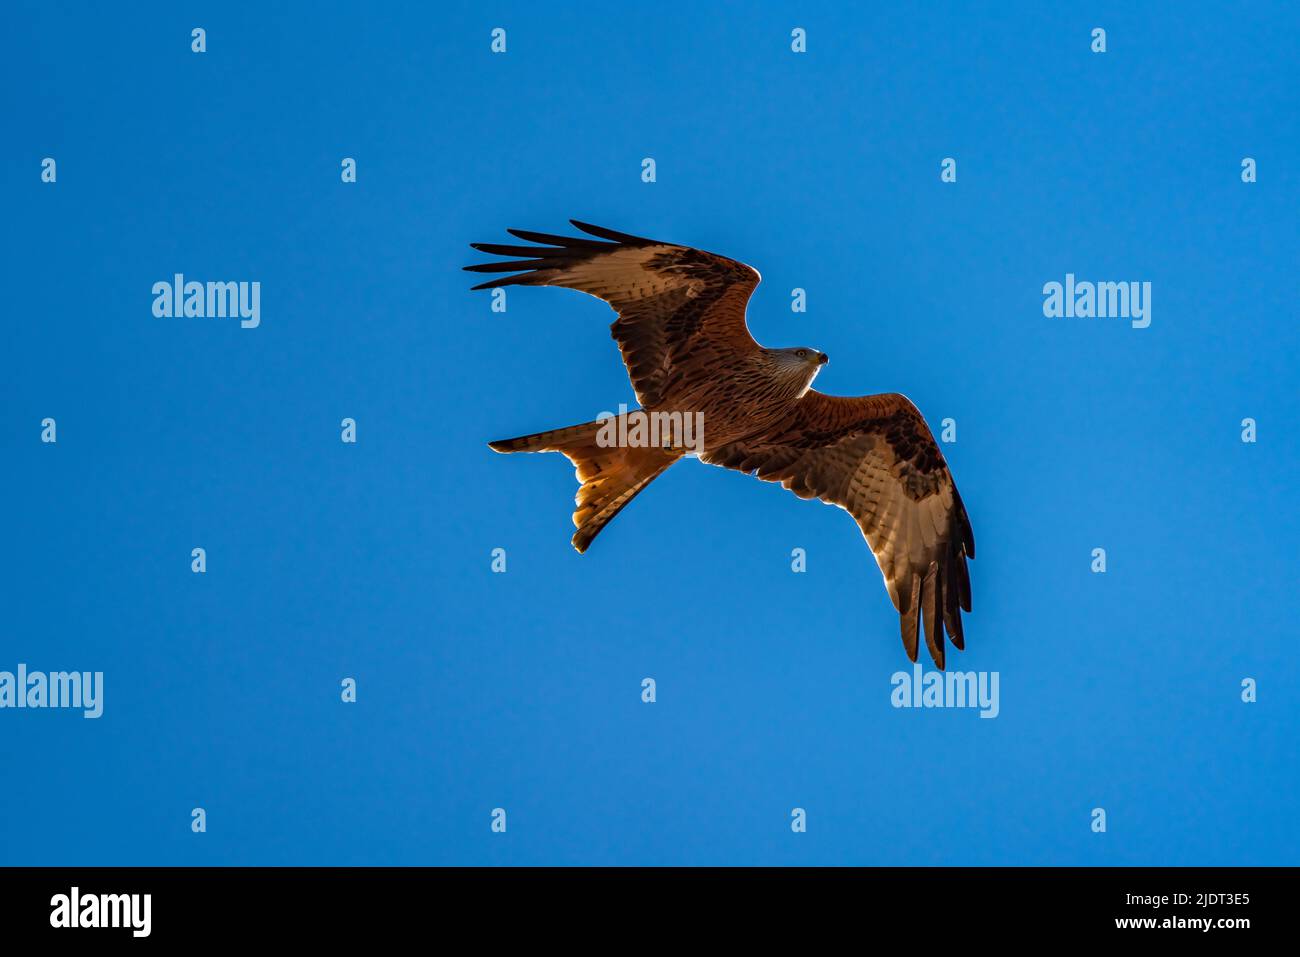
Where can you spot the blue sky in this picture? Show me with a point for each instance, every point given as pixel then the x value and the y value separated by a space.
pixel 522 690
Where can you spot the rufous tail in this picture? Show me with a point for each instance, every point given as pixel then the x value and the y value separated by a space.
pixel 610 475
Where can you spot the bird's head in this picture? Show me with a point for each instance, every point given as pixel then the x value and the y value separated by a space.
pixel 800 364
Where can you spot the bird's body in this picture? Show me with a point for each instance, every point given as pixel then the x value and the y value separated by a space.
pixel 682 333
pixel 744 395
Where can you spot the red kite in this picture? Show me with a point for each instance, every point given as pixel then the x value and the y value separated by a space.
pixel 681 329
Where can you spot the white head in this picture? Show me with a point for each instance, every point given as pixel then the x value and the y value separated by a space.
pixel 800 363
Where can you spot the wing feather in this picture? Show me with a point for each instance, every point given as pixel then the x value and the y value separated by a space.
pixel 680 310
pixel 875 457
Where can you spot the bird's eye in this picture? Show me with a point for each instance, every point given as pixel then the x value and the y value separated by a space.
pixel 802 353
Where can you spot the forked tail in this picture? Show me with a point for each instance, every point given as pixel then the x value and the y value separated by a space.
pixel 610 475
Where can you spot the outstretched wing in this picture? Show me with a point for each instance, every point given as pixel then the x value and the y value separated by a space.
pixel 680 310
pixel 875 457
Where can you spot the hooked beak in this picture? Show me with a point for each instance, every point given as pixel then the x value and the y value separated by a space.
pixel 822 358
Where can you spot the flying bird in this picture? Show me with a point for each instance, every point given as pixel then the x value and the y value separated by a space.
pixel 681 329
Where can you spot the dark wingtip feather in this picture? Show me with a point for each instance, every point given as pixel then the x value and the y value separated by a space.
pixel 963 525
pixel 511 265
pixel 906 591
pixel 610 234
pixel 909 622
pixel 519 280
pixel 951 596
pixel 931 596
pixel 525 252
pixel 962 574
pixel 563 242
pixel 952 622
pixel 552 253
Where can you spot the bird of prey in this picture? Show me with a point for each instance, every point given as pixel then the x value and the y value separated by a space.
pixel 681 329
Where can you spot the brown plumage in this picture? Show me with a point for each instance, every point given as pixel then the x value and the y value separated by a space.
pixel 681 329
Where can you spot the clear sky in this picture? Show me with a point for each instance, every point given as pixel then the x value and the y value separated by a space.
pixel 522 690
